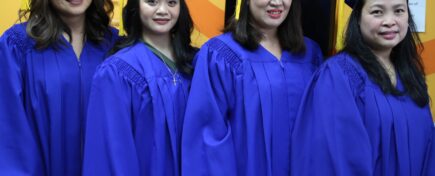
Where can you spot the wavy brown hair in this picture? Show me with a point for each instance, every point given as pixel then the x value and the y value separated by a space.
pixel 46 27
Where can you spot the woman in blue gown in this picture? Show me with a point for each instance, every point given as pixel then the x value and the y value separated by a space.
pixel 46 66
pixel 366 111
pixel 245 92
pixel 139 94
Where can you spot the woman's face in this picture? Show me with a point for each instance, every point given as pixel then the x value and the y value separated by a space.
pixel 269 14
pixel 159 16
pixel 384 23
pixel 71 8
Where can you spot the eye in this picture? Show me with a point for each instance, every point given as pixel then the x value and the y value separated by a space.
pixel 400 11
pixel 376 12
pixel 172 3
pixel 152 2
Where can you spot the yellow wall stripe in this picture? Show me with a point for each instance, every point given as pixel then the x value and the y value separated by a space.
pixel 198 38
pixel 341 16
pixel 208 18
pixel 25 4
pixel 218 3
pixel 239 3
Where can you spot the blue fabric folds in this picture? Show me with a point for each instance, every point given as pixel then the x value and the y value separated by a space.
pixel 241 108
pixel 135 116
pixel 44 94
pixel 346 125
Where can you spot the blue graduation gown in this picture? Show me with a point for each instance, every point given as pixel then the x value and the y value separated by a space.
pixel 43 98
pixel 346 125
pixel 241 107
pixel 135 115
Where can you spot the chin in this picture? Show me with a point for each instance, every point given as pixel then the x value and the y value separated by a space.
pixel 271 26
pixel 390 44
pixel 161 32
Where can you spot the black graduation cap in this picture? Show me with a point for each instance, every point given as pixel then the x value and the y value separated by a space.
pixel 350 3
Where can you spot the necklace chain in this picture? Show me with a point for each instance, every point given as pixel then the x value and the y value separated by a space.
pixel 162 57
pixel 391 72
pixel 174 74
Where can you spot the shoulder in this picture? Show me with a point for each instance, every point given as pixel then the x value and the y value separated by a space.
pixel 134 57
pixel 116 67
pixel 114 31
pixel 222 49
pixel 17 30
pixel 221 42
pixel 311 44
pixel 312 47
pixel 312 53
pixel 226 41
pixel 346 63
pixel 16 36
pixel 345 66
pixel 110 38
pixel 113 34
pixel 130 52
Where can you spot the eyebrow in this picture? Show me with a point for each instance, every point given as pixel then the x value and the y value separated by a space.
pixel 383 6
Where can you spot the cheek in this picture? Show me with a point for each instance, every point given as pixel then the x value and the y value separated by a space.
pixel 145 13
pixel 287 4
pixel 365 32
pixel 404 31
pixel 404 27
pixel 176 13
pixel 369 25
pixel 144 18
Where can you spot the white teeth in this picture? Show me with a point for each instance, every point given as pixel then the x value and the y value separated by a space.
pixel 275 12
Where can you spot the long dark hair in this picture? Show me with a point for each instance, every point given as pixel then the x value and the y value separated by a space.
pixel 181 43
pixel 46 27
pixel 406 59
pixel 290 33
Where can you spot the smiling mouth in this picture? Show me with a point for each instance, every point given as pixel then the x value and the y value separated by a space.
pixel 389 35
pixel 161 21
pixel 75 2
pixel 274 12
pixel 388 32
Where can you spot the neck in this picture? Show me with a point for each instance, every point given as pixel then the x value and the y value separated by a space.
pixel 270 39
pixel 385 60
pixel 161 43
pixel 383 56
pixel 271 43
pixel 269 34
pixel 76 24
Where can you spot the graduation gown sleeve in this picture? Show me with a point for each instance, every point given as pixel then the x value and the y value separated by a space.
pixel 109 143
pixel 207 146
pixel 329 137
pixel 18 145
pixel 430 165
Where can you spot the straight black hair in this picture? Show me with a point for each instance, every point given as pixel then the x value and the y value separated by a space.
pixel 405 57
pixel 181 42
pixel 290 33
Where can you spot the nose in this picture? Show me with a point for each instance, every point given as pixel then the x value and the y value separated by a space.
pixel 276 2
pixel 162 9
pixel 389 21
